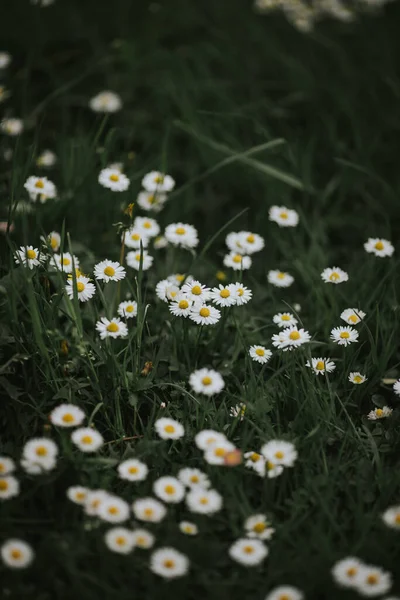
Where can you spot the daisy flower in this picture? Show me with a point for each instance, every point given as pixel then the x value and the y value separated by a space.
pixel 146 226
pixel 280 452
pixel 260 354
pixel 344 335
pixel 379 247
pixel 242 294
pixel 290 338
pixel 204 314
pixel 87 439
pixel 285 592
pixel 379 413
pixel 161 289
pixel 109 270
pixel 169 563
pixel 151 201
pixel 215 454
pixel 46 159
pixel 149 509
pixel 114 328
pixel 94 500
pixel 272 470
pixel 7 466
pixel 248 552
pixel 134 237
pixel 396 387
pixel 16 554
pixel 345 571
pixel 188 528
pixel 113 510
pixel 285 217
pixel 168 429
pixel 181 234
pixel 5 59
pixel 251 242
pixel 391 517
pixel 205 502
pixel 256 462
pixel 284 319
pixel 334 275
pixel 105 102
pixel 128 309
pixel 53 240
pixel 206 381
pixel 169 489
pixel 224 295
pixel 40 186
pixel 238 411
pixel 64 262
pixel 158 182
pixel 67 415
pixel 357 378
pixel 120 540
pixel 41 452
pixel 29 257
pixel 207 438
pixel 233 241
pixel 77 494
pixel 9 487
pixel 84 287
pixel 143 539
pixel 194 290
pixel 352 316
pixel 133 260
pixel 373 581
pixel 114 180
pixel 160 242
pixel 237 262
pixel 181 307
pixel 179 278
pixel 132 469
pixel 257 526
pixel 280 279
pixel 320 366
pixel 12 127
pixel 193 478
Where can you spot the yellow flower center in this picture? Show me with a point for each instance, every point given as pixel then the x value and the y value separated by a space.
pixel 3 485
pixel 2 468
pixel 147 225
pixel 16 554
pixel 260 351
pixel 224 293
pixel 112 327
pixel 65 261
pixel 344 335
pixel 284 597
pixel 251 239
pixel 281 275
pixel 30 254
pixel 180 230
pixel 219 451
pixel 358 379
pixel 68 418
pixel 379 246
pixel 120 541
pixel 353 318
pixel 195 479
pixel 379 412
pixel 203 500
pixel 294 335
pixel 53 243
pixel 255 457
pixel 113 510
pixel 159 179
pixel 334 276
pixel 141 541
pixel 204 312
pixel 279 454
pixel 87 439
pixel 270 465
pixel 283 215
pixel 259 527
pixel 39 184
pixel 397 519
pixel 237 258
pixel 372 579
pixel 351 572
pixel 41 451
pixel 188 529
pixel 137 257
pixel 114 177
pixel 80 495
pixel 248 549
pixel 129 308
pixel 80 286
pixel 169 429
pixel 183 304
pixel 320 366
pixel 148 512
pixel 169 489
pixel 180 278
pixel 135 237
pixel 196 290
pixel 206 381
pixel 240 291
pixel 285 318
pixel 151 199
pixel 133 470
pixel 109 271
pixel 169 563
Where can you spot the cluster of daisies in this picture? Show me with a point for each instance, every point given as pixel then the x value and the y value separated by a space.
pixel 367 580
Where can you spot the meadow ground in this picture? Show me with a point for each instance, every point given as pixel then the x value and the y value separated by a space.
pixel 245 114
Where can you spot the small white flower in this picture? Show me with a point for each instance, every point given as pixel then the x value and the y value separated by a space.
pixel 94 500
pixel 168 429
pixel 160 242
pixel 320 366
pixel 114 180
pixel 161 289
pixel 9 487
pixel 248 552
pixel 16 554
pixel 285 217
pixel 64 262
pixel 38 455
pixel 272 470
pixel 396 388
pixel 5 59
pixel 280 279
pixel 114 328
pixel 233 241
pixel 53 240
pixel 146 226
pixel 85 289
pixel 181 234
pixel 391 517
pixel 40 187
pixel 344 335
pixel 280 452
pixel 149 509
pixel 106 102
pixel 188 528
pixel 345 571
pixel 151 201
pixel 87 439
pixel 256 462
pixel 108 270
pixel 113 510
pixel 78 494
pixel 215 454
pixel 67 415
pixel 352 316
pixel 28 256
pixel 120 540
pixel 357 378
pixel 203 501
pixel 379 413
pixel 47 159
pixel 373 581
pixel 250 242
pixel 193 478
pixel 290 338
pixel 238 411
pixel 242 294
pixel 257 526
pixel 284 320
pixel 237 262
pixel 127 309
pixel 285 592
pixel 143 539
pixel 169 563
pixel 196 291
pixel 7 465
pixel 37 468
pixel 204 314
pixel 334 275
pixel 207 382
pixel 181 307
pixel 379 247
pixel 133 260
pixel 260 354
pixel 12 126
pixel 158 182
pixel 208 437
pixel 224 295
pixel 134 237
pixel 133 469
pixel 169 489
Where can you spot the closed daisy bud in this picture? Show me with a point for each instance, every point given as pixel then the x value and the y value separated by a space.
pixel 114 328
pixel 284 320
pixel 320 366
pixel 158 182
pixel 260 354
pixel 53 240
pixel 391 517
pixel 64 262
pixel 143 539
pixel 344 335
pixel 16 554
pixel 168 429
pixel 127 309
pixel 204 314
pixel 193 478
pixel 207 382
pixel 280 279
pixel 280 452
pixel 120 540
pixel 106 102
pixel 9 487
pixel 285 217
pixel 188 528
pixel 169 563
pixel 149 509
pixel 345 571
pixel 357 378
pixel 7 466
pixel 257 526
pixel 285 592
pixel 67 415
pixel 113 510
pixel 87 439
pixel 352 316
pixel 379 413
pixel 133 470
pixel 108 270
pixel 379 247
pixel 237 262
pixel 248 552
pixel 203 501
pixel 78 494
pixel 169 489
pixel 181 234
pixel 334 275
pixel 133 260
